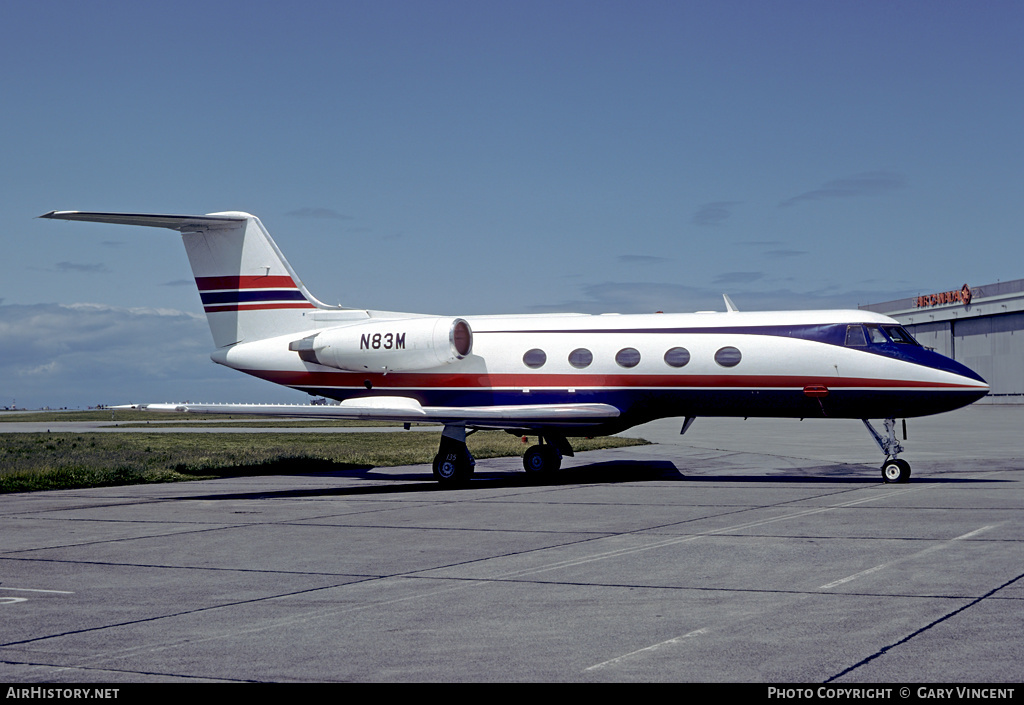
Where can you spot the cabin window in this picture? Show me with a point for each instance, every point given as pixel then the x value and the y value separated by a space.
pixel 535 358
pixel 677 357
pixel 855 336
pixel 728 357
pixel 580 358
pixel 628 357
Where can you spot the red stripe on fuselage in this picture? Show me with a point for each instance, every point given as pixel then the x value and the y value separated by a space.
pixel 570 381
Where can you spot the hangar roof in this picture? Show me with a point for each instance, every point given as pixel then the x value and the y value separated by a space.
pixel 962 302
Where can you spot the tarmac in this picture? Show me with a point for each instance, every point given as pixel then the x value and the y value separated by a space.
pixel 758 551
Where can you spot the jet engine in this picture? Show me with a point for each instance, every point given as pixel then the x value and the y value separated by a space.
pixel 389 345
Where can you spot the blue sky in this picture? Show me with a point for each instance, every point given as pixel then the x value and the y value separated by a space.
pixel 491 157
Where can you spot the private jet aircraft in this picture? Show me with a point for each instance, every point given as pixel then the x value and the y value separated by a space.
pixel 550 376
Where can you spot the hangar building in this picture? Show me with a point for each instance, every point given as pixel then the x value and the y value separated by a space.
pixel 982 327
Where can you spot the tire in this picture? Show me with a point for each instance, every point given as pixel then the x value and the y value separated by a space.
pixel 541 460
pixel 895 470
pixel 452 467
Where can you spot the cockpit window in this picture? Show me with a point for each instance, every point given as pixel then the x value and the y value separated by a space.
pixel 900 335
pixel 876 335
pixel 863 335
pixel 855 336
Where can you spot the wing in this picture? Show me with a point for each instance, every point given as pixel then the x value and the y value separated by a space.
pixel 409 410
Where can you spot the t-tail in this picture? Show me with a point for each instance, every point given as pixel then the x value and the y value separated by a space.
pixel 248 289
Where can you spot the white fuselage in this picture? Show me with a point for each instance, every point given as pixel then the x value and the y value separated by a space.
pixel 738 363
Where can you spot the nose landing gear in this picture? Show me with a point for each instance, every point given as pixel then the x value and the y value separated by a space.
pixel 894 469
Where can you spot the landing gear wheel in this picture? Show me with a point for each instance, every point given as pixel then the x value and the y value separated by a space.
pixel 896 470
pixel 541 460
pixel 452 467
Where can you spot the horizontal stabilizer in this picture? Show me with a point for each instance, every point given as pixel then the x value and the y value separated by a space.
pixel 405 409
pixel 181 223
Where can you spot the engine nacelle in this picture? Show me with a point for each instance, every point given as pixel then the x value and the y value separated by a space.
pixel 390 345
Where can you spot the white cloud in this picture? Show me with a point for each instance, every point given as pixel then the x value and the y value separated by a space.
pixel 870 183
pixel 85 354
pixel 321 213
pixel 95 268
pixel 714 213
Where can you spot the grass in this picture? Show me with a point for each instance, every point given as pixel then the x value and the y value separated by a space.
pixel 42 461
pixel 131 419
pixel 90 415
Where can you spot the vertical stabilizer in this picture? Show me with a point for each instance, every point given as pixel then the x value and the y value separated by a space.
pixel 248 289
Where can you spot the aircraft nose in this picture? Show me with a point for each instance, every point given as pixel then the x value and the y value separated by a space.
pixel 940 363
pixel 973 387
pixel 955 384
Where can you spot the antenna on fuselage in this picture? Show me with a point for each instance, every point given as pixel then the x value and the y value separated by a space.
pixel 729 305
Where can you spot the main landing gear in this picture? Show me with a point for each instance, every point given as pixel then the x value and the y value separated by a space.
pixel 546 457
pixel 893 469
pixel 454 464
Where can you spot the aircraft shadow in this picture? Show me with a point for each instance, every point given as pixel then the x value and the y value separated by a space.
pixel 610 472
pixel 598 473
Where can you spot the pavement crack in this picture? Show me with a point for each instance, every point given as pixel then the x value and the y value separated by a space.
pixel 884 650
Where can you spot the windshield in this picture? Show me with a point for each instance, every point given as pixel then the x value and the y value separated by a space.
pixel 869 334
pixel 900 335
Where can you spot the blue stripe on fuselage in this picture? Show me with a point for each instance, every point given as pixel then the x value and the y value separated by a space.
pixel 830 334
pixel 641 405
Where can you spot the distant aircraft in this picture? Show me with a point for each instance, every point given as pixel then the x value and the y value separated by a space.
pixel 553 376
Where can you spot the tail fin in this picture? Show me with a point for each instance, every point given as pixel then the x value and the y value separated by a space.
pixel 248 289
